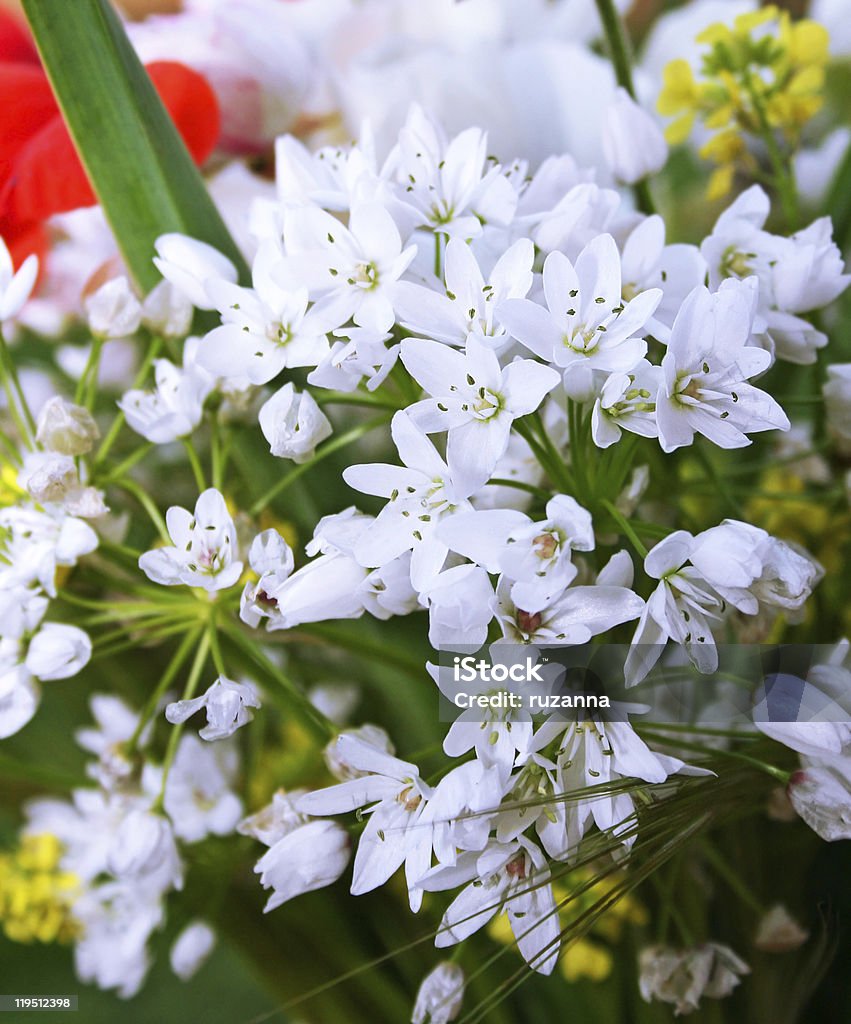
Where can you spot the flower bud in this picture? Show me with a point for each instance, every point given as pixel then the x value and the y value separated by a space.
pixel 189 265
pixel 58 651
pixel 66 428
pixel 293 424
pixel 779 932
pixel 440 995
pixel 310 857
pixel 167 311
pixel 52 478
pixel 191 948
pixel 113 311
pixel 633 143
pixel 144 845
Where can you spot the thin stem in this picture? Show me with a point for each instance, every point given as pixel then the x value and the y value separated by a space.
pixel 189 691
pixel 195 463
pixel 784 175
pixel 138 380
pixel 355 398
pixel 621 55
pixel 332 446
pixel 147 504
pixel 728 873
pixel 322 727
pixel 167 678
pixel 84 393
pixel 18 407
pixel 626 526
pixel 127 464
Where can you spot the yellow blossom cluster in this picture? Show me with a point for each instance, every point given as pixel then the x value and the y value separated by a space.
pixel 35 893
pixel 763 77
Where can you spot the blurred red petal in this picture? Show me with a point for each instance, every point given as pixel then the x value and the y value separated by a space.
pixel 16 44
pixel 193 106
pixel 48 177
pixel 26 105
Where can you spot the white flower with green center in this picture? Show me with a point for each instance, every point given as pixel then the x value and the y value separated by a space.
pixel 706 370
pixel 419 494
pixel 205 549
pixel 683 608
pixel 266 328
pixel 474 399
pixel 469 303
pixel 627 402
pixel 587 325
pixel 353 268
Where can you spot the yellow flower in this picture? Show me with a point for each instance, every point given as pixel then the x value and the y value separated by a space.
pixel 35 893
pixel 586 959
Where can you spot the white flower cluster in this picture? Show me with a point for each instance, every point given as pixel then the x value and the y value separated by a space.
pixel 522 326
pixel 121 841
pixel 39 539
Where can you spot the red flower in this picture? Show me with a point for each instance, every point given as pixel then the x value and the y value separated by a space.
pixel 40 172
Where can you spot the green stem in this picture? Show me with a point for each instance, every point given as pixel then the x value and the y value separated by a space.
pixel 147 504
pixel 322 727
pixel 728 873
pixel 621 56
pixel 195 463
pixel 626 526
pixel 332 446
pixel 167 678
pixel 784 174
pixel 84 392
pixel 138 380
pixel 355 398
pixel 188 693
pixel 18 407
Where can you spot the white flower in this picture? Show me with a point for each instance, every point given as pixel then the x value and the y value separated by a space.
pixel 116 919
pixel 329 587
pixel 394 832
pixel 190 265
pixel 587 325
pixel 820 792
pixel 198 795
pixel 440 995
pixel 272 559
pixel 505 876
pixel 358 354
pixel 113 311
pixel 469 304
pixel 116 723
pixel 837 399
pixel 308 857
pixel 175 407
pixel 58 651
pixel 167 311
pixel 265 328
pixel 572 617
pixel 37 542
pixel 191 948
pixel 19 692
pixel 474 399
pixel 144 847
pixel 66 428
pixel 205 550
pixel 227 704
pixel 337 761
pixel 627 401
pixel 683 977
pixel 49 477
pixel 683 607
pixel 293 424
pixel 15 286
pixel 419 496
pixel 353 267
pixel 706 369
pixel 449 186
pixel 535 555
pixel 459 608
pixel 748 567
pixel 796 275
pixel 633 143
